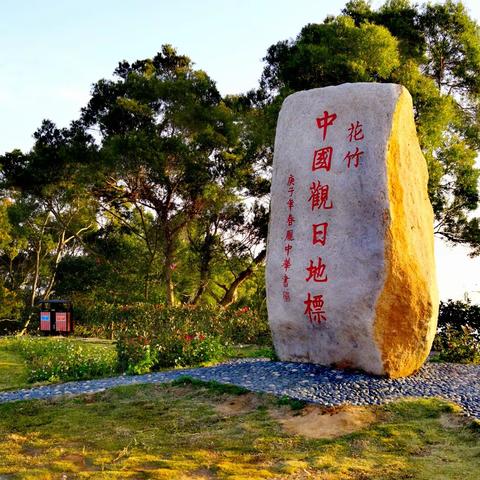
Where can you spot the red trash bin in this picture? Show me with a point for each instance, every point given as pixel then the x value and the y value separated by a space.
pixel 56 316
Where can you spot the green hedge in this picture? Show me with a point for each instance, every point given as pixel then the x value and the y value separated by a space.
pixel 237 325
pixel 155 336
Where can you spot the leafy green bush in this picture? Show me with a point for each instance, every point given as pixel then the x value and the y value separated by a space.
pixel 134 355
pixel 61 359
pixel 199 348
pixel 139 354
pixel 236 325
pixel 458 335
pixel 456 314
pixel 154 336
pixel 459 346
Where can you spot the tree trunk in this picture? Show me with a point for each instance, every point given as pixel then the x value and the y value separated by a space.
pixel 205 259
pixel 169 294
pixel 201 287
pixel 36 275
pixel 232 291
pixel 146 285
pixel 58 257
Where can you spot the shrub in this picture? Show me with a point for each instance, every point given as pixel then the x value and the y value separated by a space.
pixel 134 355
pixel 460 346
pixel 153 336
pixel 456 314
pixel 138 354
pixel 457 338
pixel 234 324
pixel 199 348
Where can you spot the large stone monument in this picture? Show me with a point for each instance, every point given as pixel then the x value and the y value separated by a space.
pixel 350 265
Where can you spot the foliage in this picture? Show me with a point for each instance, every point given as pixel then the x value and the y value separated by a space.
pixel 168 145
pixel 60 359
pixel 154 209
pixel 166 431
pixel 138 355
pixel 434 51
pixel 458 335
pixel 168 203
pixel 458 346
pixel 154 336
pixel 455 314
pixel 134 355
pixel 233 324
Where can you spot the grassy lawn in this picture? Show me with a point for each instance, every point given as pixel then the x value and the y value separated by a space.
pixel 32 361
pixel 251 351
pixel 205 431
pixel 51 363
pixel 13 370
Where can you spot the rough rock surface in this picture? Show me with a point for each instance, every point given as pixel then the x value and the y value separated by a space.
pixel 350 266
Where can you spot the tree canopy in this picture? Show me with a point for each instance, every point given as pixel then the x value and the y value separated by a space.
pixel 159 191
pixel 434 51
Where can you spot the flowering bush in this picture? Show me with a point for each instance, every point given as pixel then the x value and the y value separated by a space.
pixel 234 324
pixel 134 355
pixel 199 348
pixel 153 336
pixel 61 359
pixel 175 348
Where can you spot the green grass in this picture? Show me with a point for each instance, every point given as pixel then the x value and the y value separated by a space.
pixel 13 370
pixel 252 351
pixel 36 360
pixel 177 431
pixel 40 360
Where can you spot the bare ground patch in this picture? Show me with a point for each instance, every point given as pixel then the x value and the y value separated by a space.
pixel 238 404
pixel 452 421
pixel 317 422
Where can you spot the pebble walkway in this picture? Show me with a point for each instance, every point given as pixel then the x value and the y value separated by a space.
pixel 312 383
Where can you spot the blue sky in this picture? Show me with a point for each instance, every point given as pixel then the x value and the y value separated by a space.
pixel 52 51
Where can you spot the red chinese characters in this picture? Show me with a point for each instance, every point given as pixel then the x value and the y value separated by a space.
pixel 325 162
pixel 355 156
pixel 314 308
pixel 319 196
pixel 319 233
pixel 289 238
pixel 287 263
pixel 316 272
pixel 319 200
pixel 326 121
pixel 322 159
pixel 355 132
